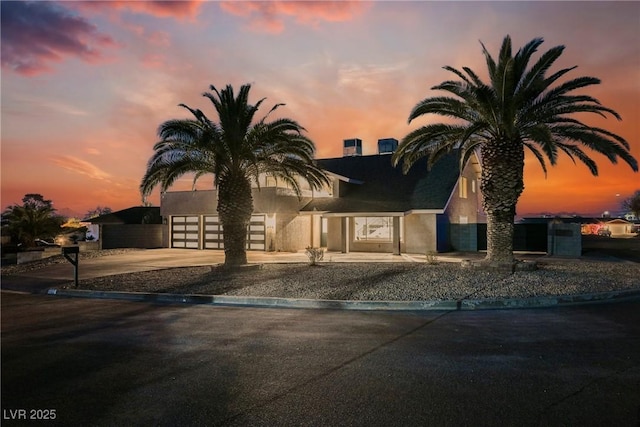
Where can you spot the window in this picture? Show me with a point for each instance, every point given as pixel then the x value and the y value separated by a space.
pixel 462 187
pixel 377 229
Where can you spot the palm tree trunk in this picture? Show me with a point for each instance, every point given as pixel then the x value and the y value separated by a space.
pixel 501 184
pixel 235 206
pixel 499 238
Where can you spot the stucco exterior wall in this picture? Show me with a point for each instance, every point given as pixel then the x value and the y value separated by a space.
pixel 146 236
pixel 277 200
pixel 316 228
pixel 358 246
pixel 419 233
pixel 201 202
pixel 205 202
pixel 463 213
pixel 465 210
pixel 334 242
pixel 293 232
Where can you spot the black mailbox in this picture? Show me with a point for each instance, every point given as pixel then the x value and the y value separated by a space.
pixel 72 253
pixel 70 250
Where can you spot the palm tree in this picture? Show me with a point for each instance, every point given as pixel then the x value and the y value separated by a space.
pixel 518 109
pixel 35 219
pixel 236 151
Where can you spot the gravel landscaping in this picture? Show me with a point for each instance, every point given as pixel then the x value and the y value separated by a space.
pixel 380 281
pixel 366 281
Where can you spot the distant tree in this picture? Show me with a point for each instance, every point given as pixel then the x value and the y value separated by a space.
pixel 98 211
pixel 34 219
pixel 632 204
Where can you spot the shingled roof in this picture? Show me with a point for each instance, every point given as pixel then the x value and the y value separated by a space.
pixel 372 184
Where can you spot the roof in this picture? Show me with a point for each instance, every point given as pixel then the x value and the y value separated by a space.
pixel 372 184
pixel 134 215
pixel 619 221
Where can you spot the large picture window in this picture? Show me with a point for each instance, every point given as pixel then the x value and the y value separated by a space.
pixel 375 229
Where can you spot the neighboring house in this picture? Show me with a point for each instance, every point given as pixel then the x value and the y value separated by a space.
pixel 618 226
pixel 370 207
pixel 135 227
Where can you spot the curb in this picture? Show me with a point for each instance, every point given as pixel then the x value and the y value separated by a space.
pixel 275 302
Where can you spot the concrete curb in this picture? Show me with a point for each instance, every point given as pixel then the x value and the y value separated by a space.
pixel 450 305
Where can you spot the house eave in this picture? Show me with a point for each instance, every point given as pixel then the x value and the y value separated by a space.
pixel 374 214
pixel 424 211
pixel 369 214
pixel 345 179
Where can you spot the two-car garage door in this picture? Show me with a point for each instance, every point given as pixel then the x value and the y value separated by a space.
pixel 186 232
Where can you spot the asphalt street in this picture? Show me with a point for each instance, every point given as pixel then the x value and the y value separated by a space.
pixel 104 362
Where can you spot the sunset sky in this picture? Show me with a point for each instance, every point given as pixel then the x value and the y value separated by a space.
pixel 86 84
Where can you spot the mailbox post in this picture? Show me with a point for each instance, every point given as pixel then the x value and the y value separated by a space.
pixel 68 251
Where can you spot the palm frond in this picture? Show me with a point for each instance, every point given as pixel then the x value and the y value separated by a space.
pixel 533 149
pixel 521 105
pixel 233 147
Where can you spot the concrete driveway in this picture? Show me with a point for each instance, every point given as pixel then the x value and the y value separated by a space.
pixel 100 362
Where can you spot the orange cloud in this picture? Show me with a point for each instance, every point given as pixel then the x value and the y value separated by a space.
pixel 80 167
pixel 268 16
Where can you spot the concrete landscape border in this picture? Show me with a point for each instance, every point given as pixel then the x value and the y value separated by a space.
pixel 436 305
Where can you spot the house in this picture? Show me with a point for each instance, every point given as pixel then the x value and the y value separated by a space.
pixel 135 227
pixel 370 206
pixel 618 226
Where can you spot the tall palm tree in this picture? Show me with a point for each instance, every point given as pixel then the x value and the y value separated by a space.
pixel 236 150
pixel 520 108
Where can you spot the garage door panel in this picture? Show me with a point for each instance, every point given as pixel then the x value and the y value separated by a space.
pixel 214 235
pixel 184 232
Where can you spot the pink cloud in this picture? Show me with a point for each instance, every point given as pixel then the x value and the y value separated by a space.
pixel 269 16
pixel 159 8
pixel 154 60
pixel 159 38
pixel 36 34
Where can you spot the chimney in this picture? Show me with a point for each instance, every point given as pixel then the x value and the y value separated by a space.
pixel 352 147
pixel 387 145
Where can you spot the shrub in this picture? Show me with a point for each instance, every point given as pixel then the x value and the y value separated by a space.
pixel 315 255
pixel 432 257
